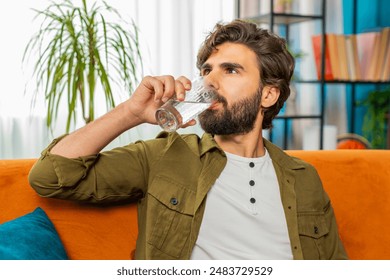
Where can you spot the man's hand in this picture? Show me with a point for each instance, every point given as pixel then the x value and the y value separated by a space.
pixel 152 93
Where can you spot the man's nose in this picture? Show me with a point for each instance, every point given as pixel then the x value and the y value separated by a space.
pixel 211 80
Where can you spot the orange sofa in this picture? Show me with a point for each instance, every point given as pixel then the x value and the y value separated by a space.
pixel 358 182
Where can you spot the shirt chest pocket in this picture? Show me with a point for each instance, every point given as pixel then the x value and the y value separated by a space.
pixel 172 205
pixel 313 230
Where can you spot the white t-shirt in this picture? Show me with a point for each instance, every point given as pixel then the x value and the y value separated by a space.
pixel 244 216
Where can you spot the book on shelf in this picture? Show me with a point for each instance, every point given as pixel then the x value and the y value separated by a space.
pixel 383 54
pixel 374 61
pixel 343 59
pixel 373 49
pixel 386 67
pixel 366 44
pixel 331 43
pixel 355 57
pixel 317 52
pixel 354 70
pixel 358 70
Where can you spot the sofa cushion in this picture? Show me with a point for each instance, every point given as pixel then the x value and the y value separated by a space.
pixel 30 237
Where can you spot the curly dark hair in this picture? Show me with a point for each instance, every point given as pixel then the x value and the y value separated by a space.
pixel 276 64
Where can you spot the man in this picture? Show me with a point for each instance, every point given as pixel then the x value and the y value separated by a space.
pixel 230 194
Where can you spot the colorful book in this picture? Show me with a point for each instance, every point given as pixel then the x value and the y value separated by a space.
pixel 386 67
pixel 365 44
pixel 343 60
pixel 317 52
pixel 383 52
pixel 352 58
pixel 331 44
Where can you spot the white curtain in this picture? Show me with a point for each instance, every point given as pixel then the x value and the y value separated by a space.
pixel 171 32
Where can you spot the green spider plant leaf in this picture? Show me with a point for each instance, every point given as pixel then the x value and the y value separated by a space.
pixel 76 50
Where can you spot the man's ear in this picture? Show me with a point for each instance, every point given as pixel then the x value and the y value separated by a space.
pixel 269 96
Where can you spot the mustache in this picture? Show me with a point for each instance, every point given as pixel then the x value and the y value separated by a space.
pixel 219 98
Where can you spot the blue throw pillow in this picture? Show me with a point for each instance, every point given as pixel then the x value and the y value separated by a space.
pixel 31 237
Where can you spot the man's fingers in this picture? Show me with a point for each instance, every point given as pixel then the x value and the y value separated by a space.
pixel 166 87
pixel 183 84
pixel 190 123
pixel 169 88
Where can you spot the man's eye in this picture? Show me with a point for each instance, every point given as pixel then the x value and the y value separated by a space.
pixel 231 71
pixel 205 72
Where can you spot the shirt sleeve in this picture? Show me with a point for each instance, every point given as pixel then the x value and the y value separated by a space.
pixel 112 176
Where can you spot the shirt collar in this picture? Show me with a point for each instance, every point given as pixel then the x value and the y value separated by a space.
pixel 208 143
pixel 280 157
pixel 198 146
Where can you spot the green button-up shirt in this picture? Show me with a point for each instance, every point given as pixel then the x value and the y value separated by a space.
pixel 170 177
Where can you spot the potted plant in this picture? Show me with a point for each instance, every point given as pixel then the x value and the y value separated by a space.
pixel 376 117
pixel 77 49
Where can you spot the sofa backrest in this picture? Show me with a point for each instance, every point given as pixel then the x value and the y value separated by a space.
pixel 358 184
pixel 88 232
pixel 357 181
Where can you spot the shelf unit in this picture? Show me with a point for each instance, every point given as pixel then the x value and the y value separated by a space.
pixel 352 84
pixel 353 102
pixel 355 83
pixel 287 19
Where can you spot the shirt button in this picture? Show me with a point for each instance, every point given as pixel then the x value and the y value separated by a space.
pixel 252 200
pixel 251 182
pixel 174 201
pixel 251 164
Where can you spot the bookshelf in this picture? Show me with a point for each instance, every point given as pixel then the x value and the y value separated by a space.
pixel 353 102
pixel 286 20
pixel 368 74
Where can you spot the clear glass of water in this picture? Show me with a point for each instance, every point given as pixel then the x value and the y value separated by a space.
pixel 173 114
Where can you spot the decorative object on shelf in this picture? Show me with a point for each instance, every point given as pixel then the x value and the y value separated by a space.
pixel 78 49
pixel 352 141
pixel 283 6
pixel 374 122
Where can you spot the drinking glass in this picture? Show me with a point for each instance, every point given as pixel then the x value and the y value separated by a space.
pixel 173 114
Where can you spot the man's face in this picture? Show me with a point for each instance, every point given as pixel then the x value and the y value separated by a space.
pixel 232 72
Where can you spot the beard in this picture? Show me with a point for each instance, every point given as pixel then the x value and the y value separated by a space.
pixel 240 118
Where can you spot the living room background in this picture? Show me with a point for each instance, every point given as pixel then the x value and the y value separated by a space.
pixel 171 32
